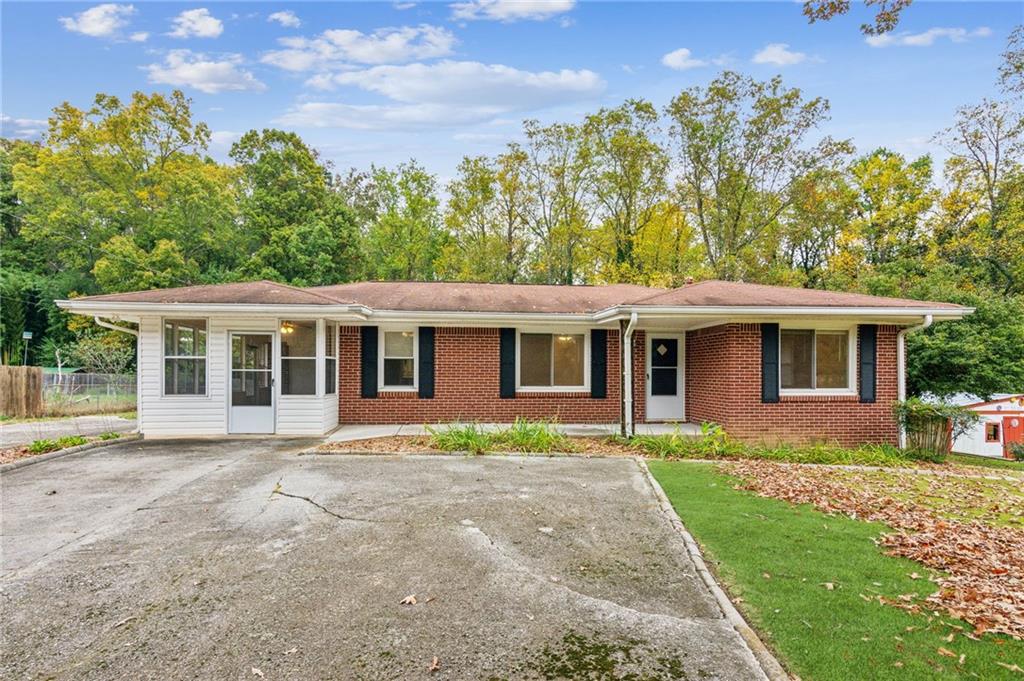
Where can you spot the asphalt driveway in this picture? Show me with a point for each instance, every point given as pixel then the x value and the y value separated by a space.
pixel 202 560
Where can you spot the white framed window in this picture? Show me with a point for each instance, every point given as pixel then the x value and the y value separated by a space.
pixel 817 361
pixel 397 359
pixel 184 353
pixel 330 358
pixel 298 357
pixel 552 362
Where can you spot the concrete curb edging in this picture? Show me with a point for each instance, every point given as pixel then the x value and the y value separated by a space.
pixel 49 456
pixel 771 667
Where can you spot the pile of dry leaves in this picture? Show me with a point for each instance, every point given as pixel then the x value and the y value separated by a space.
pixel 964 526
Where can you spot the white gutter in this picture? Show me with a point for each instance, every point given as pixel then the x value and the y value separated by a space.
pixel 776 311
pixel 114 327
pixel 901 366
pixel 627 377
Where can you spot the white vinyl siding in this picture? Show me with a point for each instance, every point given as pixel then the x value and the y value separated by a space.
pixel 197 415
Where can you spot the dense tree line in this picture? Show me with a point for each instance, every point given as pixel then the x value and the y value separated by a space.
pixel 731 180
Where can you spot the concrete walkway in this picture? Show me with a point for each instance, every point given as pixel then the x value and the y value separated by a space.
pixel 16 434
pixel 347 433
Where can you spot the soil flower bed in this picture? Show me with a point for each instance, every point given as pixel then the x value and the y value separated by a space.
pixel 968 528
pixel 11 454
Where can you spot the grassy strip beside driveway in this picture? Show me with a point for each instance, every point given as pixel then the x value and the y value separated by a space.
pixel 809 583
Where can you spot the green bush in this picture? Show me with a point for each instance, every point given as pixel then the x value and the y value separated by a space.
pixel 1017 451
pixel 931 427
pixel 70 441
pixel 109 436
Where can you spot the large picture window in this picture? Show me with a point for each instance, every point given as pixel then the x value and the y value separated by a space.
pixel 331 359
pixel 398 360
pixel 814 359
pixel 552 360
pixel 298 358
pixel 184 356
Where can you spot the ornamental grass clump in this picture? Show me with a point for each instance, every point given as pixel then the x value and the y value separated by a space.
pixel 469 437
pixel 532 436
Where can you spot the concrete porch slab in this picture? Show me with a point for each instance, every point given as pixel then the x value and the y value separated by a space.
pixel 347 433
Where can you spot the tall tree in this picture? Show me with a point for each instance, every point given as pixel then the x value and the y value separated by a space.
pixel 741 144
pixel 559 175
pixel 986 144
pixel 629 177
pixel 406 240
pixel 299 230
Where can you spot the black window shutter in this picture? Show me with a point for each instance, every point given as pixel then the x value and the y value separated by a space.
pixel 769 363
pixel 867 341
pixel 368 360
pixel 426 359
pixel 599 363
pixel 508 364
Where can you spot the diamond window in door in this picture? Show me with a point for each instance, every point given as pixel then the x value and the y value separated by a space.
pixel 664 366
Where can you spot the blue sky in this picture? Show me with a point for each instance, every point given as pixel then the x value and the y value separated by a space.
pixel 381 82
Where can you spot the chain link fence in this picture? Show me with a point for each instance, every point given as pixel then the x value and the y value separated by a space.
pixel 69 394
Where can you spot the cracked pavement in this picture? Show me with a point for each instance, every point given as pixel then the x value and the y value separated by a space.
pixel 240 559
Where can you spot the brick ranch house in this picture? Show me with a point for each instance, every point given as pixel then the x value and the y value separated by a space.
pixel 764 362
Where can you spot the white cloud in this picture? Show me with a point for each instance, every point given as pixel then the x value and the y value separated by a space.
pixel 224 138
pixel 384 46
pixel 139 37
pixel 198 23
pixel 778 54
pixel 681 59
pixel 184 68
pixel 403 5
pixel 510 10
pixel 101 21
pixel 446 93
pixel 926 38
pixel 21 127
pixel 286 18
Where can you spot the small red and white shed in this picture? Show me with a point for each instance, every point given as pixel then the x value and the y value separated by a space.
pixel 1001 425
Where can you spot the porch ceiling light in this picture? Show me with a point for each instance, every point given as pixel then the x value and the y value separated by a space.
pixel 287 328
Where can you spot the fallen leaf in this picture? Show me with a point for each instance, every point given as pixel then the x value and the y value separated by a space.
pixel 291 651
pixel 257 672
pixel 1011 667
pixel 435 665
pixel 829 586
pixel 408 600
pixel 945 652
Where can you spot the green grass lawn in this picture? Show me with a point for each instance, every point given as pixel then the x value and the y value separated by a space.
pixel 987 462
pixel 779 558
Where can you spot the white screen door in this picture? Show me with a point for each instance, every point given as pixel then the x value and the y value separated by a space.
pixel 664 377
pixel 252 383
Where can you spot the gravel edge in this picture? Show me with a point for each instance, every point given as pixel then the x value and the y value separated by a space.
pixel 771 667
pixel 49 456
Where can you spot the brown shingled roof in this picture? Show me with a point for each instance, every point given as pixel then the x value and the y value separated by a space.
pixel 714 293
pixel 525 298
pixel 475 297
pixel 240 293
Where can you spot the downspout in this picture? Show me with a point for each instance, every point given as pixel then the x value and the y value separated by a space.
pixel 901 367
pixel 627 377
pixel 138 365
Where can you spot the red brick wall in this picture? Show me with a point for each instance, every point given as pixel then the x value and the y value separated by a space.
pixel 723 385
pixel 466 386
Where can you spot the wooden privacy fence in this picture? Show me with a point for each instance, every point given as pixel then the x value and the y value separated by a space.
pixel 21 391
